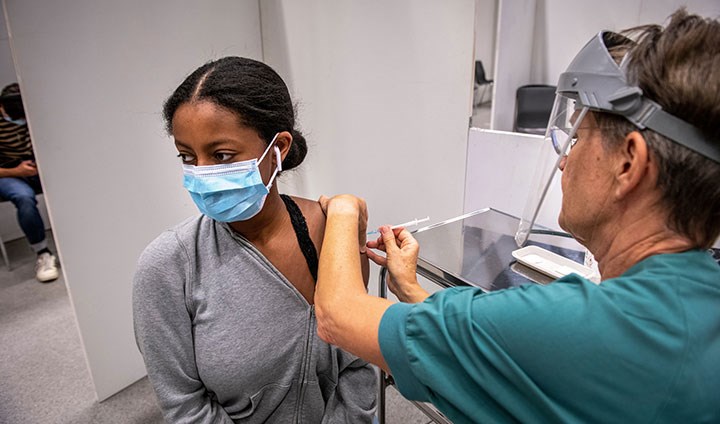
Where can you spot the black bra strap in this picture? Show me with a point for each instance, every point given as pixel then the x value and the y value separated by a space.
pixel 303 235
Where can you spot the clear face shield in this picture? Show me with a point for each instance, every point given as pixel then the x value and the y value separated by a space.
pixel 565 119
pixel 563 124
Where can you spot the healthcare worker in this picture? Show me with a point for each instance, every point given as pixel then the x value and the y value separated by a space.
pixel 641 192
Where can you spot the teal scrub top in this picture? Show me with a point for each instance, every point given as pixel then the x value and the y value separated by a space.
pixel 643 347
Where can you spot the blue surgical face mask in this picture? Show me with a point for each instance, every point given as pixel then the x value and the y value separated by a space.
pixel 19 121
pixel 230 192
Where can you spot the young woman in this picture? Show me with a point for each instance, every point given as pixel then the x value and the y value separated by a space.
pixel 223 303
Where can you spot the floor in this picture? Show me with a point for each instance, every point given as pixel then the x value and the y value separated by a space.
pixel 42 366
pixel 481 115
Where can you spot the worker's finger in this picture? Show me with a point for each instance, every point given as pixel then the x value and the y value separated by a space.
pixel 405 238
pixel 388 237
pixel 376 244
pixel 378 259
pixel 323 201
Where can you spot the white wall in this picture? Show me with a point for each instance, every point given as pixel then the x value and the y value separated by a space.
pixel 7 69
pixel 562 27
pixel 94 75
pixel 513 58
pixel 485 33
pixel 385 96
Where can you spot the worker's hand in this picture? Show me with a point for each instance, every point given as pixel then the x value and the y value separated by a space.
pixel 401 261
pixel 27 168
pixel 348 204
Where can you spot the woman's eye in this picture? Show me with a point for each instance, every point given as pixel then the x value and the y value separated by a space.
pixel 186 158
pixel 223 157
pixel 573 141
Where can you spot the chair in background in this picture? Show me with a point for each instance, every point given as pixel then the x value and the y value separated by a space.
pixel 481 81
pixel 533 105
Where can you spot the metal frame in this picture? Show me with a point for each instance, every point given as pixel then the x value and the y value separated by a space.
pixel 3 250
pixel 4 254
pixel 387 380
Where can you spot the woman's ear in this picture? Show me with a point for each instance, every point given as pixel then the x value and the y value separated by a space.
pixel 283 141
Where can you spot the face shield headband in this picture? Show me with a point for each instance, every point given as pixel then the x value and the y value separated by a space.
pixel 596 81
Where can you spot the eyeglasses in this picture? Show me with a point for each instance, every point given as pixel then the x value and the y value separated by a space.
pixel 558 138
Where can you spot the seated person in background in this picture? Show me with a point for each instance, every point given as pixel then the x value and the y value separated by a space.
pixel 223 303
pixel 19 181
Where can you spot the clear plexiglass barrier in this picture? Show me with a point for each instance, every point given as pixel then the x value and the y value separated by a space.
pixel 476 249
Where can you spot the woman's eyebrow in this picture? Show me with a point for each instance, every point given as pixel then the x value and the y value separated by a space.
pixel 205 146
pixel 179 143
pixel 213 144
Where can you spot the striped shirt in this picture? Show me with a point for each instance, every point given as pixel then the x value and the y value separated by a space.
pixel 15 144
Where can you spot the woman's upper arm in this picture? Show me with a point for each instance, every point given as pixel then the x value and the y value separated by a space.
pixel 365 265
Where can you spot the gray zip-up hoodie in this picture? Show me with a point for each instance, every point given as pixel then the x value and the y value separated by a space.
pixel 226 338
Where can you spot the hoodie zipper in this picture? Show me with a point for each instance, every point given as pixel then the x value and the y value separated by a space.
pixel 305 365
pixel 309 334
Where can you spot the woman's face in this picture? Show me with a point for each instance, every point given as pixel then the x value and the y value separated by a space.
pixel 206 134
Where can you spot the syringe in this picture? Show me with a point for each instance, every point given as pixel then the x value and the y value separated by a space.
pixel 412 223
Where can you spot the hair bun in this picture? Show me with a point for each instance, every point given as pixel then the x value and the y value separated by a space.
pixel 298 150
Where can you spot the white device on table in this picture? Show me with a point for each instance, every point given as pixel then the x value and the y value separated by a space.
pixel 552 264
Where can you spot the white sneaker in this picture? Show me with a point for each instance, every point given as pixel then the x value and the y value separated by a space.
pixel 46 269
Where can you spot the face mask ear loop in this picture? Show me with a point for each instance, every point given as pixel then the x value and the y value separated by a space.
pixel 268 147
pixel 278 168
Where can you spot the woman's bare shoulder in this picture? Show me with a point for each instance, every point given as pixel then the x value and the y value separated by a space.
pixel 310 208
pixel 314 217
